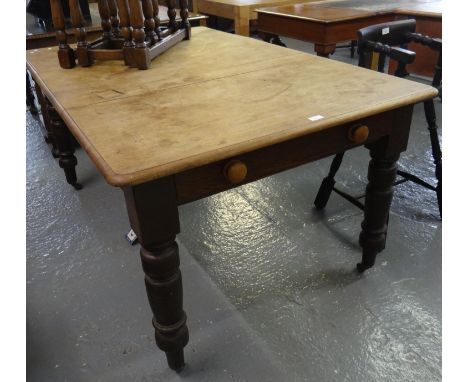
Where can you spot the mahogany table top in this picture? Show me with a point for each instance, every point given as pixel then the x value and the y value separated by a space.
pixel 338 10
pixel 210 98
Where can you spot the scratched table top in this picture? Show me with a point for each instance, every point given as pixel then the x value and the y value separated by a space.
pixel 210 98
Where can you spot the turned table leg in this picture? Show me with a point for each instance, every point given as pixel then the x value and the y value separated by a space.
pixel 64 144
pixel 379 192
pixel 153 214
pixel 30 100
pixel 49 138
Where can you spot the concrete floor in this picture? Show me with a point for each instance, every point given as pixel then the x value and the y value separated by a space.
pixel 270 285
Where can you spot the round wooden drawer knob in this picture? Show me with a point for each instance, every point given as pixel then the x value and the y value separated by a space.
pixel 235 171
pixel 358 134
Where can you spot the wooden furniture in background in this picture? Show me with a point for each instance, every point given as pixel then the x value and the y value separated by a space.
pixel 375 44
pixel 326 23
pixel 428 16
pixel 39 35
pixel 170 135
pixel 241 11
pixel 131 32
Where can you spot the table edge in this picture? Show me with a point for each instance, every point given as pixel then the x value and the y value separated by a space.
pixel 320 21
pixel 401 11
pixel 173 168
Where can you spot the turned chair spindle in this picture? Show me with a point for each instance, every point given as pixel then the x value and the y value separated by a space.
pixel 104 13
pixel 184 12
pixel 150 24
pixel 434 44
pixel 126 29
pixel 114 18
pixel 184 16
pixel 171 13
pixel 137 22
pixel 157 21
pixel 80 33
pixel 65 53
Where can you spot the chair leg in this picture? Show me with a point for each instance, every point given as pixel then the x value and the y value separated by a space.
pixel 431 119
pixel 271 38
pixel 277 41
pixel 353 47
pixel 401 70
pixel 328 183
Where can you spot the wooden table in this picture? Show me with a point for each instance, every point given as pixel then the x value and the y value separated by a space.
pixel 241 11
pixel 202 120
pixel 40 36
pixel 329 22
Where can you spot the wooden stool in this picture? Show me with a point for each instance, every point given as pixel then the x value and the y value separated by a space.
pixel 131 32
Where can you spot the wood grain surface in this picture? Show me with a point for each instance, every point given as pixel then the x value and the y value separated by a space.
pixel 210 98
pixel 338 10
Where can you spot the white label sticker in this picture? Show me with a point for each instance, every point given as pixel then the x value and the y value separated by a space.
pixel 315 118
pixel 131 237
pixel 385 30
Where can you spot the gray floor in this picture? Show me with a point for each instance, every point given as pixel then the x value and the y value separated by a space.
pixel 270 285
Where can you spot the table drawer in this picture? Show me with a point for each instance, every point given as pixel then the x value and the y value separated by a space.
pixel 244 168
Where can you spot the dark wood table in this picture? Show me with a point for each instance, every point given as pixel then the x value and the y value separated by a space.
pixel 326 23
pixel 202 120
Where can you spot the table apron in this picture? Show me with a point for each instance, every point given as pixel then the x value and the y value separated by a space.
pixel 317 32
pixel 208 180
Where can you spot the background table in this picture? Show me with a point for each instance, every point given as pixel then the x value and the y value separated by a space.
pixel 241 11
pixel 172 134
pixel 327 23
